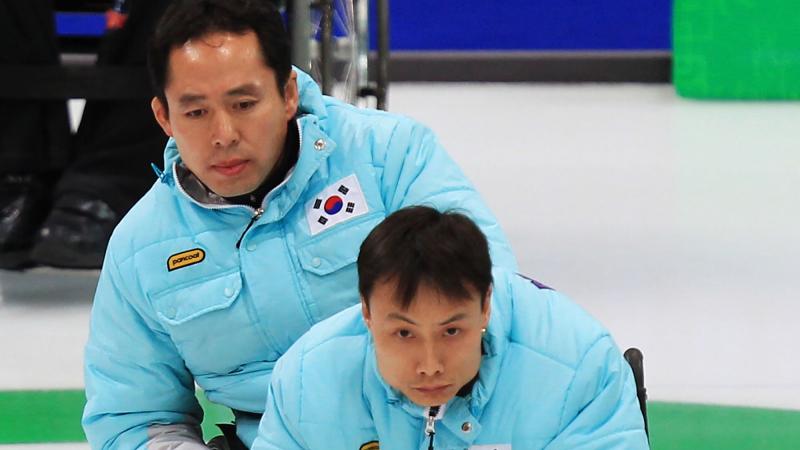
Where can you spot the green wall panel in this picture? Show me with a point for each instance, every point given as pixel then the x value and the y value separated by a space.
pixel 737 49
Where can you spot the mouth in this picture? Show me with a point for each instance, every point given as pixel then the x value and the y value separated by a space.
pixel 230 167
pixel 432 389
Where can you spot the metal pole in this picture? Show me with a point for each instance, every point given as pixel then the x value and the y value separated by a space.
pixel 383 53
pixel 326 52
pixel 300 24
pixel 361 44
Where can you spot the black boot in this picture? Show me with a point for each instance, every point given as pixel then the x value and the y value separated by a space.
pixel 76 233
pixel 24 203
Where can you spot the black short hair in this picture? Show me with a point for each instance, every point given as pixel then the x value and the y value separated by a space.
pixel 187 19
pixel 420 245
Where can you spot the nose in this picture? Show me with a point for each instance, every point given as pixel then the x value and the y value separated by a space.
pixel 430 362
pixel 224 131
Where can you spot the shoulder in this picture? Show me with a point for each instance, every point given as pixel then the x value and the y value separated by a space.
pixel 158 227
pixel 144 222
pixel 321 375
pixel 335 344
pixel 546 321
pixel 373 126
pixel 330 332
pixel 159 217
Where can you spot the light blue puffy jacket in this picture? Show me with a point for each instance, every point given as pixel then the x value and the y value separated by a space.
pixel 551 377
pixel 179 303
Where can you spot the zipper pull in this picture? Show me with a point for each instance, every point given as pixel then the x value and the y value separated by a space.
pixel 429 426
pixel 158 171
pixel 256 216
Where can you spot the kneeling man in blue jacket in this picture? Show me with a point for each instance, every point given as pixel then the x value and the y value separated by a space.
pixel 443 353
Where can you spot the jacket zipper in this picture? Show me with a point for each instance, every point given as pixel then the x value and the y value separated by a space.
pixel 430 425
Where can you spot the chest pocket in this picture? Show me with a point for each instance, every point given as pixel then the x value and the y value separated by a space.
pixel 180 305
pixel 329 265
pixel 206 319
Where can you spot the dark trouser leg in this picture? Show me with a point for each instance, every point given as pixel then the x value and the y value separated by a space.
pixel 34 135
pixel 115 144
pixel 117 140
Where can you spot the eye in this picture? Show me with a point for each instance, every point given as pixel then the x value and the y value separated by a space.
pixel 452 331
pixel 404 334
pixel 245 105
pixel 195 113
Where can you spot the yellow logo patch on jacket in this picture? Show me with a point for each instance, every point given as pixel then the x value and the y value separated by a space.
pixel 185 259
pixel 371 445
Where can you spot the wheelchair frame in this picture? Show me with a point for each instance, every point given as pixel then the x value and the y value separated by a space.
pixel 299 12
pixel 635 359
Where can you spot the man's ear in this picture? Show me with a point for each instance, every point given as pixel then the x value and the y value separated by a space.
pixel 291 96
pixel 365 312
pixel 162 115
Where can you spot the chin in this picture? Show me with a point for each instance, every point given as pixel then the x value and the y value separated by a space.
pixel 427 403
pixel 226 190
pixel 232 193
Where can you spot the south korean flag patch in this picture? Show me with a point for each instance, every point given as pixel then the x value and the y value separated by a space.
pixel 339 202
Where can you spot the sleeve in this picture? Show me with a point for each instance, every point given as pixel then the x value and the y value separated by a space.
pixel 418 171
pixel 277 430
pixel 139 393
pixel 601 410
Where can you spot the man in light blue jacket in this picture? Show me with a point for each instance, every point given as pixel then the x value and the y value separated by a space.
pixel 251 233
pixel 439 357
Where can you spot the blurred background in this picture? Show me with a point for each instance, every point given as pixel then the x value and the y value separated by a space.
pixel 642 156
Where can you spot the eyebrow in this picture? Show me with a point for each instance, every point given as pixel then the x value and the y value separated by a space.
pixel 188 99
pixel 403 318
pixel 245 89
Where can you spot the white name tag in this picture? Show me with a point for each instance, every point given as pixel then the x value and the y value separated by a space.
pixel 491 447
pixel 339 202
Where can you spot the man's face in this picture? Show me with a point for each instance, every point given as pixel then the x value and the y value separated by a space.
pixel 226 112
pixel 431 350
